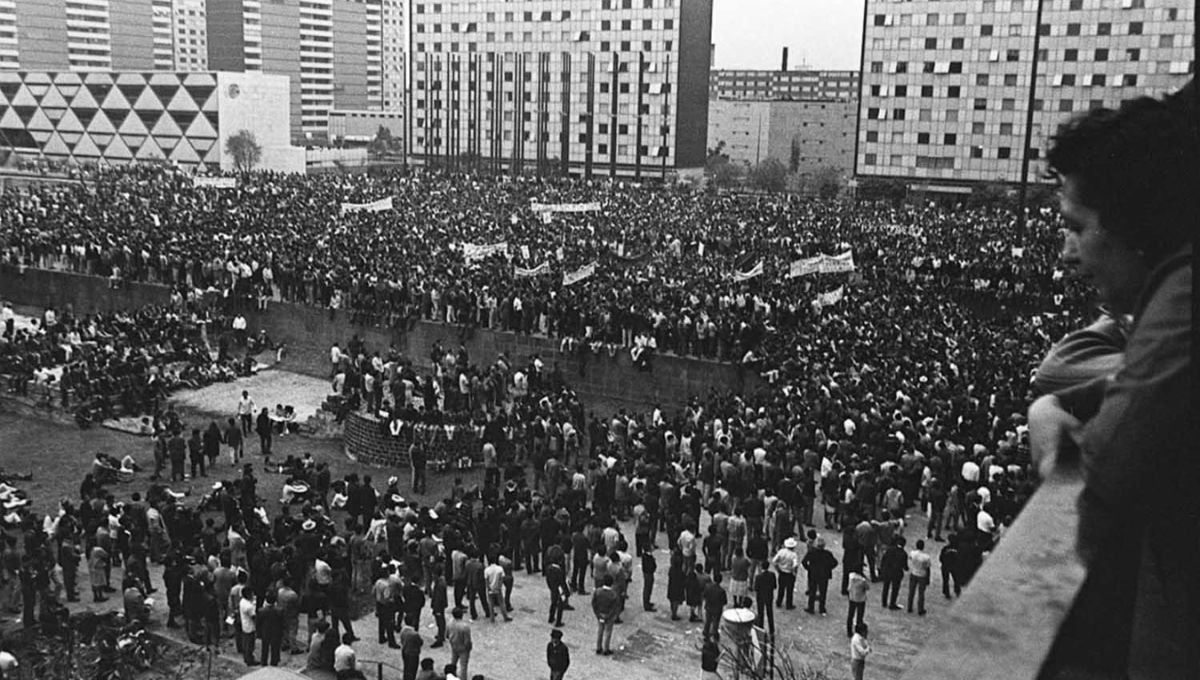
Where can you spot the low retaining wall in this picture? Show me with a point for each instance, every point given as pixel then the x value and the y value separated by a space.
pixel 309 332
pixel 368 440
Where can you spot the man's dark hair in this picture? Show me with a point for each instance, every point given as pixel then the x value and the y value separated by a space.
pixel 1138 166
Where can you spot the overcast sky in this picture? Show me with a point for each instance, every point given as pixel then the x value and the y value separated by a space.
pixel 825 34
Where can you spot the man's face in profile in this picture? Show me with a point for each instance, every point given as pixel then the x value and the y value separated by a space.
pixel 1101 259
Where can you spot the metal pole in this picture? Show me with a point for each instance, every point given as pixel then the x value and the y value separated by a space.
pixel 1033 73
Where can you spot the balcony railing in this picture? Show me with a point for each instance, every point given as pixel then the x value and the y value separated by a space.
pixel 1005 623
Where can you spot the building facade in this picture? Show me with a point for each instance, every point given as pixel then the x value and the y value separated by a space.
pixel 103 35
pixel 611 87
pixel 121 117
pixel 796 84
pixel 344 54
pixel 810 138
pixel 945 85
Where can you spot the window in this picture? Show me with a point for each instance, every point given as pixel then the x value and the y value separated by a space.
pixel 980 104
pixel 1068 79
pixel 1008 105
pixel 1044 30
pixel 931 19
pixel 1133 54
pixel 901 90
pixel 1129 80
pixel 1101 54
pixel 880 19
pixel 925 115
pixel 977 152
pixel 872 135
pixel 952 116
pixel 870 159
pixel 1006 129
pixel 922 138
pixel 954 91
pixel 960 18
pixel 1012 55
pixel 902 67
pixel 897 159
pixel 1071 55
pixel 956 43
pixel 1072 29
pixel 1075 4
pixel 931 43
pixel 1066 106
pixel 1135 28
pixel 985 30
pixel 875 90
pixel 1099 80
pixel 928 67
pixel 1103 28
pixel 898 114
pixel 1014 30
pixel 872 114
pixel 977 128
pixel 926 90
pixel 981 79
pixel 950 139
pixel 1010 79
pixel 877 67
pixel 1166 41
pixel 1004 153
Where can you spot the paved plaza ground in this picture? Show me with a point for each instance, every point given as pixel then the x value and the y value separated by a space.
pixel 649 646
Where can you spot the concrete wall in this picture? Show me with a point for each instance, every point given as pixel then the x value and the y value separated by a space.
pixel 602 382
pixel 132 35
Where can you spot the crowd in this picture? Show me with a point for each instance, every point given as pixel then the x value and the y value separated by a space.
pixel 906 395
pixel 109 364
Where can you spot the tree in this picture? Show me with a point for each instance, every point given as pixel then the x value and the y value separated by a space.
pixel 990 195
pixel 245 150
pixel 382 144
pixel 769 175
pixel 882 189
pixel 719 169
pixel 828 182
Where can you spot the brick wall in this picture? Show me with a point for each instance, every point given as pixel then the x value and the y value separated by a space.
pixel 309 332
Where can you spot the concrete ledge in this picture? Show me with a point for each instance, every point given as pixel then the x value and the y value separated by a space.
pixel 1005 623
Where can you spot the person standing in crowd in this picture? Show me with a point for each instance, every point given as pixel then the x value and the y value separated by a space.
pixel 556 582
pixel 410 650
pixel 235 439
pixel 860 648
pixel 265 429
pixel 247 614
pixel 269 624
pixel 715 600
pixel 245 412
pixel 919 565
pixel 819 563
pixel 558 656
pixel 786 562
pixel 649 566
pixel 606 605
pixel 859 585
pixel 892 566
pixel 458 634
pixel 764 595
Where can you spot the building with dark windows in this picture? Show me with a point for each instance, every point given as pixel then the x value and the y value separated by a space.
pixel 945 85
pixel 590 87
pixel 798 85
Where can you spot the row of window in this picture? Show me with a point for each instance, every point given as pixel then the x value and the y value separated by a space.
pixel 979 104
pixel 1009 80
pixel 943 162
pixel 547 15
pixel 605 45
pixel 605 25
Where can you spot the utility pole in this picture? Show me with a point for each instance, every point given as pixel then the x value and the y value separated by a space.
pixel 1033 74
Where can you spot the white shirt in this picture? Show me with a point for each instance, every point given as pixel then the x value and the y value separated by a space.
pixel 859 648
pixel 984 522
pixel 247 612
pixel 970 471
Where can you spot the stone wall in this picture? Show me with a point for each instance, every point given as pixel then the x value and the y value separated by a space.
pixel 368 440
pixel 309 332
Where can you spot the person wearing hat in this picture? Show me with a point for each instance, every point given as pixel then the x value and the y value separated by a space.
pixel 787 563
pixel 558 656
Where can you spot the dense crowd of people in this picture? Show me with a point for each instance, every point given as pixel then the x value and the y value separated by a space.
pixel 907 393
pixel 121 363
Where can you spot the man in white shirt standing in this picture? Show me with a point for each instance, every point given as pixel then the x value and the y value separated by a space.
pixel 245 410
pixel 247 614
pixel 859 649
pixel 919 563
pixel 493 577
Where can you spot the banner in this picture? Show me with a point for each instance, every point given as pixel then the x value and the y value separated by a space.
pixel 1018 252
pixel 836 264
pixel 832 297
pixel 805 267
pixel 374 206
pixel 580 274
pixel 215 182
pixel 522 272
pixel 472 252
pixel 903 230
pixel 565 207
pixel 754 271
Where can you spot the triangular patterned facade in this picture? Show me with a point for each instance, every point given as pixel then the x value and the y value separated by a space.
pixel 115 117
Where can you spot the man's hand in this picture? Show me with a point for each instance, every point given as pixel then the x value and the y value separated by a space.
pixel 1050 426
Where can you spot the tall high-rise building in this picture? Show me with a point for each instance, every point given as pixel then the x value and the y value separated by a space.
pixel 335 52
pixel 945 85
pixel 102 35
pixel 796 84
pixel 613 87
